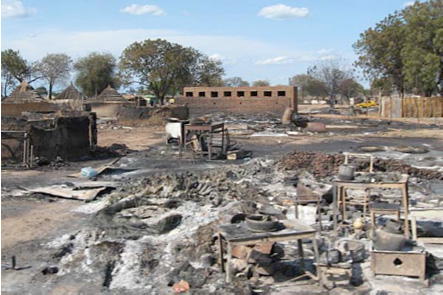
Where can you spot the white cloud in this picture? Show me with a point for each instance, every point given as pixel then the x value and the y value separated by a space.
pixel 325 51
pixel 281 11
pixel 409 3
pixel 279 60
pixel 226 61
pixel 15 8
pixel 217 56
pixel 328 57
pixel 138 9
pixel 235 51
pixel 231 50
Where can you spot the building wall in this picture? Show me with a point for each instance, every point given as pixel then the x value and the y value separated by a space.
pixel 144 116
pixel 107 109
pixel 69 137
pixel 239 100
pixel 251 106
pixel 16 109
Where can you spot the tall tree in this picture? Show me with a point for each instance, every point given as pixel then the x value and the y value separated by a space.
pixel 235 82
pixel 95 72
pixel 164 67
pixel 309 86
pixel 350 88
pixel 379 51
pixel 261 83
pixel 382 87
pixel 332 73
pixel 55 68
pixel 407 48
pixel 422 53
pixel 15 69
pixel 207 72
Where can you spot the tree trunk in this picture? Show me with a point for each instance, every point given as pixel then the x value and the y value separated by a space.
pixel 331 100
pixel 50 91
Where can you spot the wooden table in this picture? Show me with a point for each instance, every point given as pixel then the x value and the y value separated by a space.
pixel 239 234
pixel 209 129
pixel 339 187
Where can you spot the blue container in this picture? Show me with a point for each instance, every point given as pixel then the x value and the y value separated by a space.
pixel 88 172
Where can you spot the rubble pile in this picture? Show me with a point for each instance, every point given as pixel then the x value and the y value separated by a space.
pixel 326 165
pixel 160 229
pixel 159 234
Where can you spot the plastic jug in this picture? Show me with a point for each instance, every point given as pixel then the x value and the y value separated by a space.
pixel 88 172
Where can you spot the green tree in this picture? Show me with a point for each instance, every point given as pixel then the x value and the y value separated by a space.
pixel 55 68
pixel 422 53
pixel 15 69
pixel 407 48
pixel 379 51
pixel 235 82
pixel 316 88
pixel 207 72
pixel 259 83
pixel 165 68
pixel 351 88
pixel 309 86
pixel 95 72
pixel 300 81
pixel 382 87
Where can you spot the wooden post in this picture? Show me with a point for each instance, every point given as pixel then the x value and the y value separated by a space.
pixel 406 208
pixel 228 264
pixel 220 243
pixel 317 260
pixel 414 228
pixel 13 262
pixel 301 254
pixel 335 203
pixel 31 161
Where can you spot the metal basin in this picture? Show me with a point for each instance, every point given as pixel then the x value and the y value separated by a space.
pixel 262 223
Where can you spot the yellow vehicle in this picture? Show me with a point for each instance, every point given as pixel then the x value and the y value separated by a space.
pixel 366 104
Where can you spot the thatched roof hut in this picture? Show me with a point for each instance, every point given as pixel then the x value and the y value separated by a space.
pixel 110 94
pixel 71 93
pixel 24 93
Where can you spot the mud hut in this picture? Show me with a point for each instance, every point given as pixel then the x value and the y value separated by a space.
pixel 110 94
pixel 23 93
pixel 71 93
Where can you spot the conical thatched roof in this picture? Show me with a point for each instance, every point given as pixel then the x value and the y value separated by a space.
pixel 110 94
pixel 24 93
pixel 70 93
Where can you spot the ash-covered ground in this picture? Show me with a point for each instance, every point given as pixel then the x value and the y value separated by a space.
pixel 158 226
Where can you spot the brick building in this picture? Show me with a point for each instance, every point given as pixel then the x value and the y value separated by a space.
pixel 262 99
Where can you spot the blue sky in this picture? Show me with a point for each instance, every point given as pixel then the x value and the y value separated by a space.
pixel 255 39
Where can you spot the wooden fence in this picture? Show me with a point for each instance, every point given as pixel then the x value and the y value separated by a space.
pixel 422 107
pixel 411 107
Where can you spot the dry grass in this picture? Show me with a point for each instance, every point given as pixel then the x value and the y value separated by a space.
pixel 414 133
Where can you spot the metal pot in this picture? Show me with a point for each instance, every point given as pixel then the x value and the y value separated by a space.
pixel 262 223
pixel 346 172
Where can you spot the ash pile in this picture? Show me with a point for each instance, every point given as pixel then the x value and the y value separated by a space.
pixel 266 226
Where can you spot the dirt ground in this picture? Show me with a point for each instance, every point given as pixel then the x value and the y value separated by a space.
pixel 136 138
pixel 27 222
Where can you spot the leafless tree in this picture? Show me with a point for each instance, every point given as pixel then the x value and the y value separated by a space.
pixel 55 68
pixel 332 73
